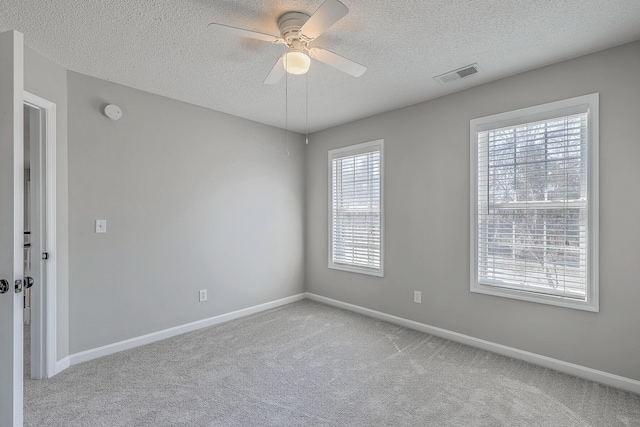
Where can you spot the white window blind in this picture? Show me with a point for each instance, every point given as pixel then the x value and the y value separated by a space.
pixel 533 207
pixel 355 208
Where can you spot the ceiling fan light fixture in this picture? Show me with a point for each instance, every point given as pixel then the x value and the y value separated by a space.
pixel 296 62
pixel 297 31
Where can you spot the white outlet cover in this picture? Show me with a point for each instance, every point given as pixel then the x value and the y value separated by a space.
pixel 417 297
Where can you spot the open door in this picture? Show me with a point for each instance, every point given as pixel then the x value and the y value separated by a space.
pixel 11 227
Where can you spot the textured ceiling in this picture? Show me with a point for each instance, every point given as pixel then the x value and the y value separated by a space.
pixel 164 47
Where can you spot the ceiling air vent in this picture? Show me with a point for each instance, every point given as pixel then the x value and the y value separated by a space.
pixel 459 73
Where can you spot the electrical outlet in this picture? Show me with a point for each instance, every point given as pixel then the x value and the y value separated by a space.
pixel 203 295
pixel 417 297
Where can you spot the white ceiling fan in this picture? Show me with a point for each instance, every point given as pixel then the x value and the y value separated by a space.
pixel 297 31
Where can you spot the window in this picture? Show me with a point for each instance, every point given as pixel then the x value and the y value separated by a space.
pixel 356 208
pixel 534 203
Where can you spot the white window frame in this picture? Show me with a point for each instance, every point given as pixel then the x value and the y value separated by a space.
pixel 590 105
pixel 366 147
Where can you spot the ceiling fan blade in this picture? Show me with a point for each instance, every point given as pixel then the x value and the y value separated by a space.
pixel 337 61
pixel 276 73
pixel 329 12
pixel 244 33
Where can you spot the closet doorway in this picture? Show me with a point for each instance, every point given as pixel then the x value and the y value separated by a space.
pixel 40 236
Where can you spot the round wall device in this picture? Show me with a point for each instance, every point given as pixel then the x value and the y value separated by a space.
pixel 113 112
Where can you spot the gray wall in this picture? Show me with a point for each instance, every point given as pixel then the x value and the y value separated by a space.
pixel 427 216
pixel 194 199
pixel 48 80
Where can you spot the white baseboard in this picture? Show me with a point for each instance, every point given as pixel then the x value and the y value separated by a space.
pixel 62 364
pixel 94 353
pixel 537 359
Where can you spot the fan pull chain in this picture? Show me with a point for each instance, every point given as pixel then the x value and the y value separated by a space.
pixel 286 112
pixel 306 109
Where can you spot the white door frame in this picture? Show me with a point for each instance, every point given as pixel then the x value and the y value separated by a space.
pixel 43 303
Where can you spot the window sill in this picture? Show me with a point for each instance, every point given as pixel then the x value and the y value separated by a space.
pixel 588 305
pixel 359 270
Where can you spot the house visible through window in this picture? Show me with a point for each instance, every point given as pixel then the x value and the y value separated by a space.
pixel 356 208
pixel 535 228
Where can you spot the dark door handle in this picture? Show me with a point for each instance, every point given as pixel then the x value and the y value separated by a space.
pixel 4 286
pixel 28 282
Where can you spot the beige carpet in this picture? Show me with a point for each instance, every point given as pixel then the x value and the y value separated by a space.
pixel 308 364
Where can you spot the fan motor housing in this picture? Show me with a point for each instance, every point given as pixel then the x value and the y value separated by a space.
pixel 290 24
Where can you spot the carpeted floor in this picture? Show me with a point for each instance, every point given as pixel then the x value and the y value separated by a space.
pixel 308 364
